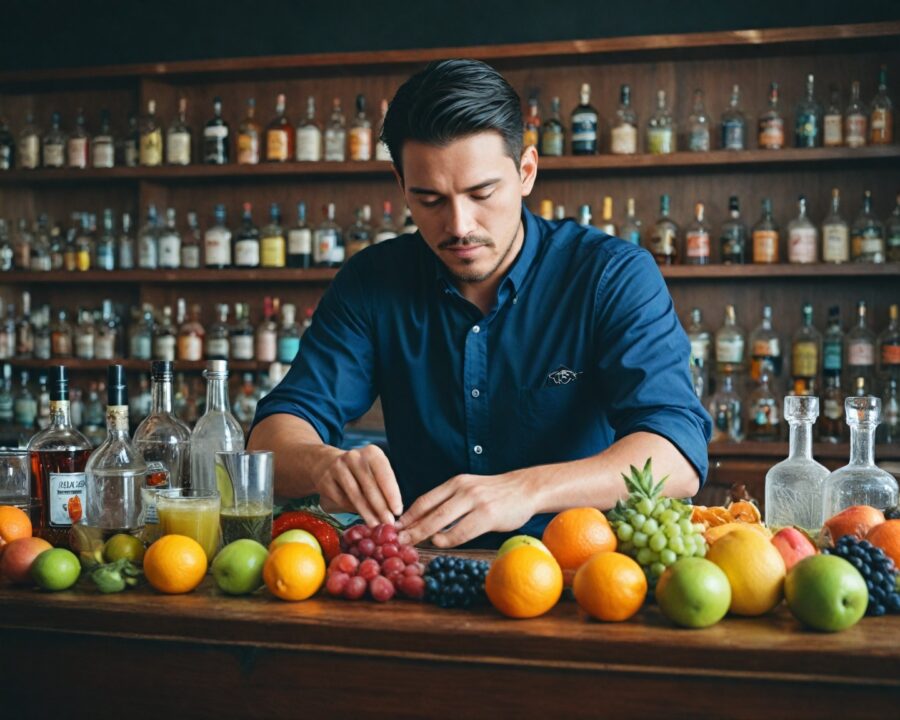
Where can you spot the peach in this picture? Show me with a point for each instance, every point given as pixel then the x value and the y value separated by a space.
pixel 18 557
pixel 793 546
pixel 854 520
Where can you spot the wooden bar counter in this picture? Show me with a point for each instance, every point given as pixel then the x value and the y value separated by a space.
pixel 142 654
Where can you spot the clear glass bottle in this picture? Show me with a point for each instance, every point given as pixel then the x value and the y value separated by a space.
pixel 24 345
pixel 833 121
pixel 734 124
pixel 85 335
pixel 881 119
pixel 169 242
pixel 192 244
pixel 105 255
pixel 696 239
pixel 763 411
pixel 288 335
pixel 803 237
pixel 246 240
pixel 585 125
pixel 328 241
pixel 217 241
pixel 126 244
pixel 241 333
pixel 889 432
pixel 165 337
pixel 29 144
pixel 55 144
pixel 730 344
pixel 300 241
pixel 861 482
pixel 766 245
pixel 217 430
pixel 7 254
pixel 61 336
pixel 856 119
pixel 726 409
pixel 606 224
pixel 553 132
pixel 148 241
pixel 248 137
pixel 140 336
pixel 40 248
pixel 191 334
pixel 178 138
pixel 867 236
pixel 794 487
pixel 387 230
pixel 892 233
pixel 630 231
pixel 272 242
pixel 835 233
pixel 700 339
pixel 267 332
pixel 78 146
pixel 309 135
pixel 832 428
pixel 771 123
pixel 806 349
pixel 808 118
pixel 733 238
pixel 218 336
pixel 106 340
pixel 661 138
pixel 887 348
pixel 359 234
pixel 664 239
pixel 359 137
pixel 765 347
pixel 624 134
pixel 336 134
pixel 150 152
pixel 216 137
pixel 7 414
pixel 860 349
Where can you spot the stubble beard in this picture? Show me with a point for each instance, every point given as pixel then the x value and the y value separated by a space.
pixel 474 277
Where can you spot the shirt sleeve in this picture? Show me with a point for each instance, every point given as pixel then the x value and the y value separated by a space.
pixel 331 380
pixel 643 356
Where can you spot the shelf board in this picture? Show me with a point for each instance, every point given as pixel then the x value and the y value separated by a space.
pixel 170 277
pixel 783 270
pixel 778 451
pixel 131 364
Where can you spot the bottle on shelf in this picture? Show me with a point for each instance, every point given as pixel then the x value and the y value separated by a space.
pixel 272 243
pixel 29 144
pixel 664 238
pixel 328 241
pixel 808 118
pixel 881 117
pixel 856 119
pixel 148 241
pixel 169 242
pixel 7 416
pixel 192 243
pixel 218 336
pixel 78 146
pixel 24 345
pixel 806 349
pixel 584 216
pixel 7 146
pixel 216 137
pixel 726 409
pixel 803 237
pixel 7 254
pixel 381 149
pixel 248 137
pixel 85 335
pixel 700 339
pixel 387 229
pixel 696 239
pixel 130 152
pixel 43 402
pixel 61 336
pixel 585 134
pixel 734 124
pixel 246 240
pixel 217 241
pixel 94 425
pixel 860 350
pixel 624 133
pixel 309 135
pixel 55 144
pixel 730 345
pixel 280 134
pixel 409 225
pixel 763 411
pixel 771 123
pixel 103 145
pixel 165 337
pixel 553 132
pixel 59 455
pixel 24 407
pixel 888 346
pixel 191 334
pixel 84 244
pixel 140 335
pixel 266 340
pixel 42 336
pixel 833 346
pixel 178 138
pixel 766 245
pixel 733 238
pixel 336 134
pixel 630 230
pixel 833 120
pixel 359 234
pixel 867 236
pixel 244 407
pixel 150 152
pixel 8 333
pixel 698 130
pixel 889 432
pixel 41 261
pixel 661 129
pixel 241 333
pixel 607 225
pixel 126 244
pixel 531 131
pixel 359 137
pixel 288 335
pixel 765 347
pixel 105 251
pixel 892 233
pixel 217 430
pixel 832 428
pixel 299 241
pixel 835 233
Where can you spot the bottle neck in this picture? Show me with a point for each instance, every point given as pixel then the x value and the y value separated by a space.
pixel 217 392
pixel 800 440
pixel 862 444
pixel 117 421
pixel 60 413
pixel 161 396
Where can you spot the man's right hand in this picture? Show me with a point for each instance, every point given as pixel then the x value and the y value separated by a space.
pixel 361 481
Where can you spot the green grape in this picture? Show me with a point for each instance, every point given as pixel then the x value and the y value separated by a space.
pixel 686 527
pixel 676 545
pixel 657 569
pixel 672 530
pixel 667 557
pixel 669 516
pixel 650 527
pixel 645 506
pixel 698 527
pixel 624 532
pixel 637 522
pixel 658 541
pixel 639 539
pixel 654 556
pixel 701 550
pixel 690 545
pixel 644 556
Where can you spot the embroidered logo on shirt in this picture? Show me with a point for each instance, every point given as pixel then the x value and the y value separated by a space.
pixel 563 376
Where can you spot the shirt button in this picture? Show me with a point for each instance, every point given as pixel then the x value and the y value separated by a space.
pixel 475 392
pixel 515 299
pixel 476 329
pixel 478 449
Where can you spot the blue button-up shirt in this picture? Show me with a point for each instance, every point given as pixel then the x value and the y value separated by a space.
pixel 583 347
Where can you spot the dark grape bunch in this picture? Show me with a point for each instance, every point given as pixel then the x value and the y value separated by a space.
pixel 455 582
pixel 877 570
pixel 892 513
pixel 376 562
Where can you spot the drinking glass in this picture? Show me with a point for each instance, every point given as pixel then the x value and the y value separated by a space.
pixel 15 478
pixel 195 513
pixel 246 486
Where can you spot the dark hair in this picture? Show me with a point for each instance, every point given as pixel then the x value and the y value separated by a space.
pixel 451 99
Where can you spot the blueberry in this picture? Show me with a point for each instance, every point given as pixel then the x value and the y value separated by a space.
pixel 878 577
pixel 865 544
pixel 857 563
pixel 878 610
pixel 894 602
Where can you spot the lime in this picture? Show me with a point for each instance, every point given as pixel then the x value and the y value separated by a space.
pixel 123 546
pixel 226 488
pixel 56 569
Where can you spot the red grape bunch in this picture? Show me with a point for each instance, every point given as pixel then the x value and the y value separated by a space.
pixel 374 560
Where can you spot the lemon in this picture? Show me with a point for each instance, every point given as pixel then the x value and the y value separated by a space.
pixel 123 546
pixel 754 568
pixel 225 486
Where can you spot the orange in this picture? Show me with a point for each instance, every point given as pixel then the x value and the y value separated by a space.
pixel 294 571
pixel 610 586
pixel 887 537
pixel 14 524
pixel 175 564
pixel 524 582
pixel 574 535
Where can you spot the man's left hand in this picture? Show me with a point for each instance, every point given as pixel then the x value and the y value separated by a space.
pixel 472 505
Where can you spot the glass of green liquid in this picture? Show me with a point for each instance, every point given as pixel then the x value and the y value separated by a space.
pixel 195 513
pixel 246 484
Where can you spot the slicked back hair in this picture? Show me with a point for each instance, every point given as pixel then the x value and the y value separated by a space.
pixel 449 100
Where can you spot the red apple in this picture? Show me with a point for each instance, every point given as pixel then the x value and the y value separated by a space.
pixel 18 557
pixel 793 546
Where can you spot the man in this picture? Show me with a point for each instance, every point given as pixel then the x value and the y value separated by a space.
pixel 522 364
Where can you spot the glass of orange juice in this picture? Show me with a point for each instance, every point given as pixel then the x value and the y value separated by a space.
pixel 195 513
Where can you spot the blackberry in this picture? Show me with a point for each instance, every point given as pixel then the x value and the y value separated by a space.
pixel 892 513
pixel 455 582
pixel 877 569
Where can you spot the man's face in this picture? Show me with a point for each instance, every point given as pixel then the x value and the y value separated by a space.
pixel 466 198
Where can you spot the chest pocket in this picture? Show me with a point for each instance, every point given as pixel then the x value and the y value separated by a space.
pixel 554 419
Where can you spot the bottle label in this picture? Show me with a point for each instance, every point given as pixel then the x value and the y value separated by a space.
pixel 29 152
pixel 768 348
pixel 530 136
pixel 273 251
pixel 266 346
pixel 190 347
pixel 309 143
pixel 662 242
pixel 53 155
pixel 25 411
pixel 78 152
pixel 164 347
pixel 215 132
pixel 147 253
pixel 833 409
pixel 300 241
pixel 860 352
pixel 871 243
pixel 105 346
pixel 623 141
pixel 67 498
pixel 805 359
pixel 697 244
pixel 126 254
pixel 83 259
pixel 856 131
pixel 771 133
pixel 140 346
pixel 287 349
pixel 5 157
pixel 334 145
pixel 730 350
pixel 660 141
pixel 338 253
pixel 190 256
pixel 169 251
pixel 698 140
pixel 326 240
pixel 242 347
pixel 879 119
pixel 106 257
pixel 765 246
pixel 835 243
pixel 178 149
pixel 246 253
pixel 553 141
pixel 84 346
pixel 360 142
pixel 217 347
pixel 807 130
pixel 803 244
pixel 832 358
pixel 43 348
pixel 130 153
pixel 890 353
pixel 584 130
pixel 247 149
pixel 733 134
pixel 700 349
pixel 218 246
pixel 277 145
pixel 833 135
pixel 151 148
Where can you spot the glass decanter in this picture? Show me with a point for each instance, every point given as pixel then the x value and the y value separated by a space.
pixel 860 482
pixel 794 486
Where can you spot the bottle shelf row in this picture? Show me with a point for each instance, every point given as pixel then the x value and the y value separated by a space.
pixel 567 165
pixel 234 366
pixel 779 450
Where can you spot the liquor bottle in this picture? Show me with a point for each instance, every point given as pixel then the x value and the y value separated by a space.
pixel 55 144
pixel 57 248
pixel 131 144
pixel 244 407
pixel 106 341
pixel 867 236
pixel 360 135
pixel 833 347
pixel 409 225
pixel 40 249
pixel 272 243
pixel 217 430
pixel 106 243
pixel 584 125
pixel 856 120
pixel 336 134
pixel 248 137
pixel 78 147
pixel 700 339
pixel 190 334
pixel 24 406
pixel 22 246
pixel 359 234
pixel 103 145
pixel 763 411
pixel 889 432
pixel 381 149
pixel 25 329
pixel 299 241
pixel 803 237
pixel 608 226
pixel 624 134
pixel 664 238
pixel 584 216
pixel 59 454
pixel 698 125
pixel 8 333
pixel 795 486
pixel 553 132
pixel 216 137
pixel 546 209
pixel 126 244
pixel 309 135
pixel 241 333
pixel 150 153
pixel 733 238
pixel 835 234
pixel 217 241
pixel 266 341
pixel 888 348
pixel 288 335
pixel 630 231
pixel 61 336
pixel 218 336
pixel 115 473
pixel 765 347
pixel 29 144
pixel 140 336
pixel 279 135
pixel 387 229
pixel 806 349
pixel 85 335
pixel 892 232
pixel 163 441
pixel 833 122
pixel 84 243
pixel 808 125
pixel 734 124
pixel 531 130
pixel 169 242
pixel 832 428
pixel 43 347
pixel 771 123
pixel 328 241
pixel 148 241
pixel 730 344
pixel 661 138
pixel 7 253
pixel 696 239
pixel 178 138
pixel 7 415
pixel 246 241
pixel 766 247
pixel 7 146
pixel 165 337
pixel 726 409
pixel 94 424
pixel 881 120
pixel 191 243
pixel 861 482
pixel 860 349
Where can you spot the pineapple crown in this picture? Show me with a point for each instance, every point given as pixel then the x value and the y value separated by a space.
pixel 639 485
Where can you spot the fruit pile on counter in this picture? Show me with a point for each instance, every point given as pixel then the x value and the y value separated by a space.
pixel 697 563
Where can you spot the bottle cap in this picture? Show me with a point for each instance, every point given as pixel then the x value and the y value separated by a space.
pixel 59 383
pixel 116 386
pixel 217 366
pixel 161 369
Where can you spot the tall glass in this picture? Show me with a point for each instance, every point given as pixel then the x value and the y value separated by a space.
pixel 15 478
pixel 246 486
pixel 194 513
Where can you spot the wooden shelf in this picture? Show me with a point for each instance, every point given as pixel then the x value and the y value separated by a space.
pixel 783 270
pixel 779 450
pixel 131 364
pixel 170 277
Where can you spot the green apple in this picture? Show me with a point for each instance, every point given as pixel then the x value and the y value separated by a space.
pixel 56 569
pixel 300 536
pixel 694 593
pixel 238 567
pixel 517 540
pixel 826 592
